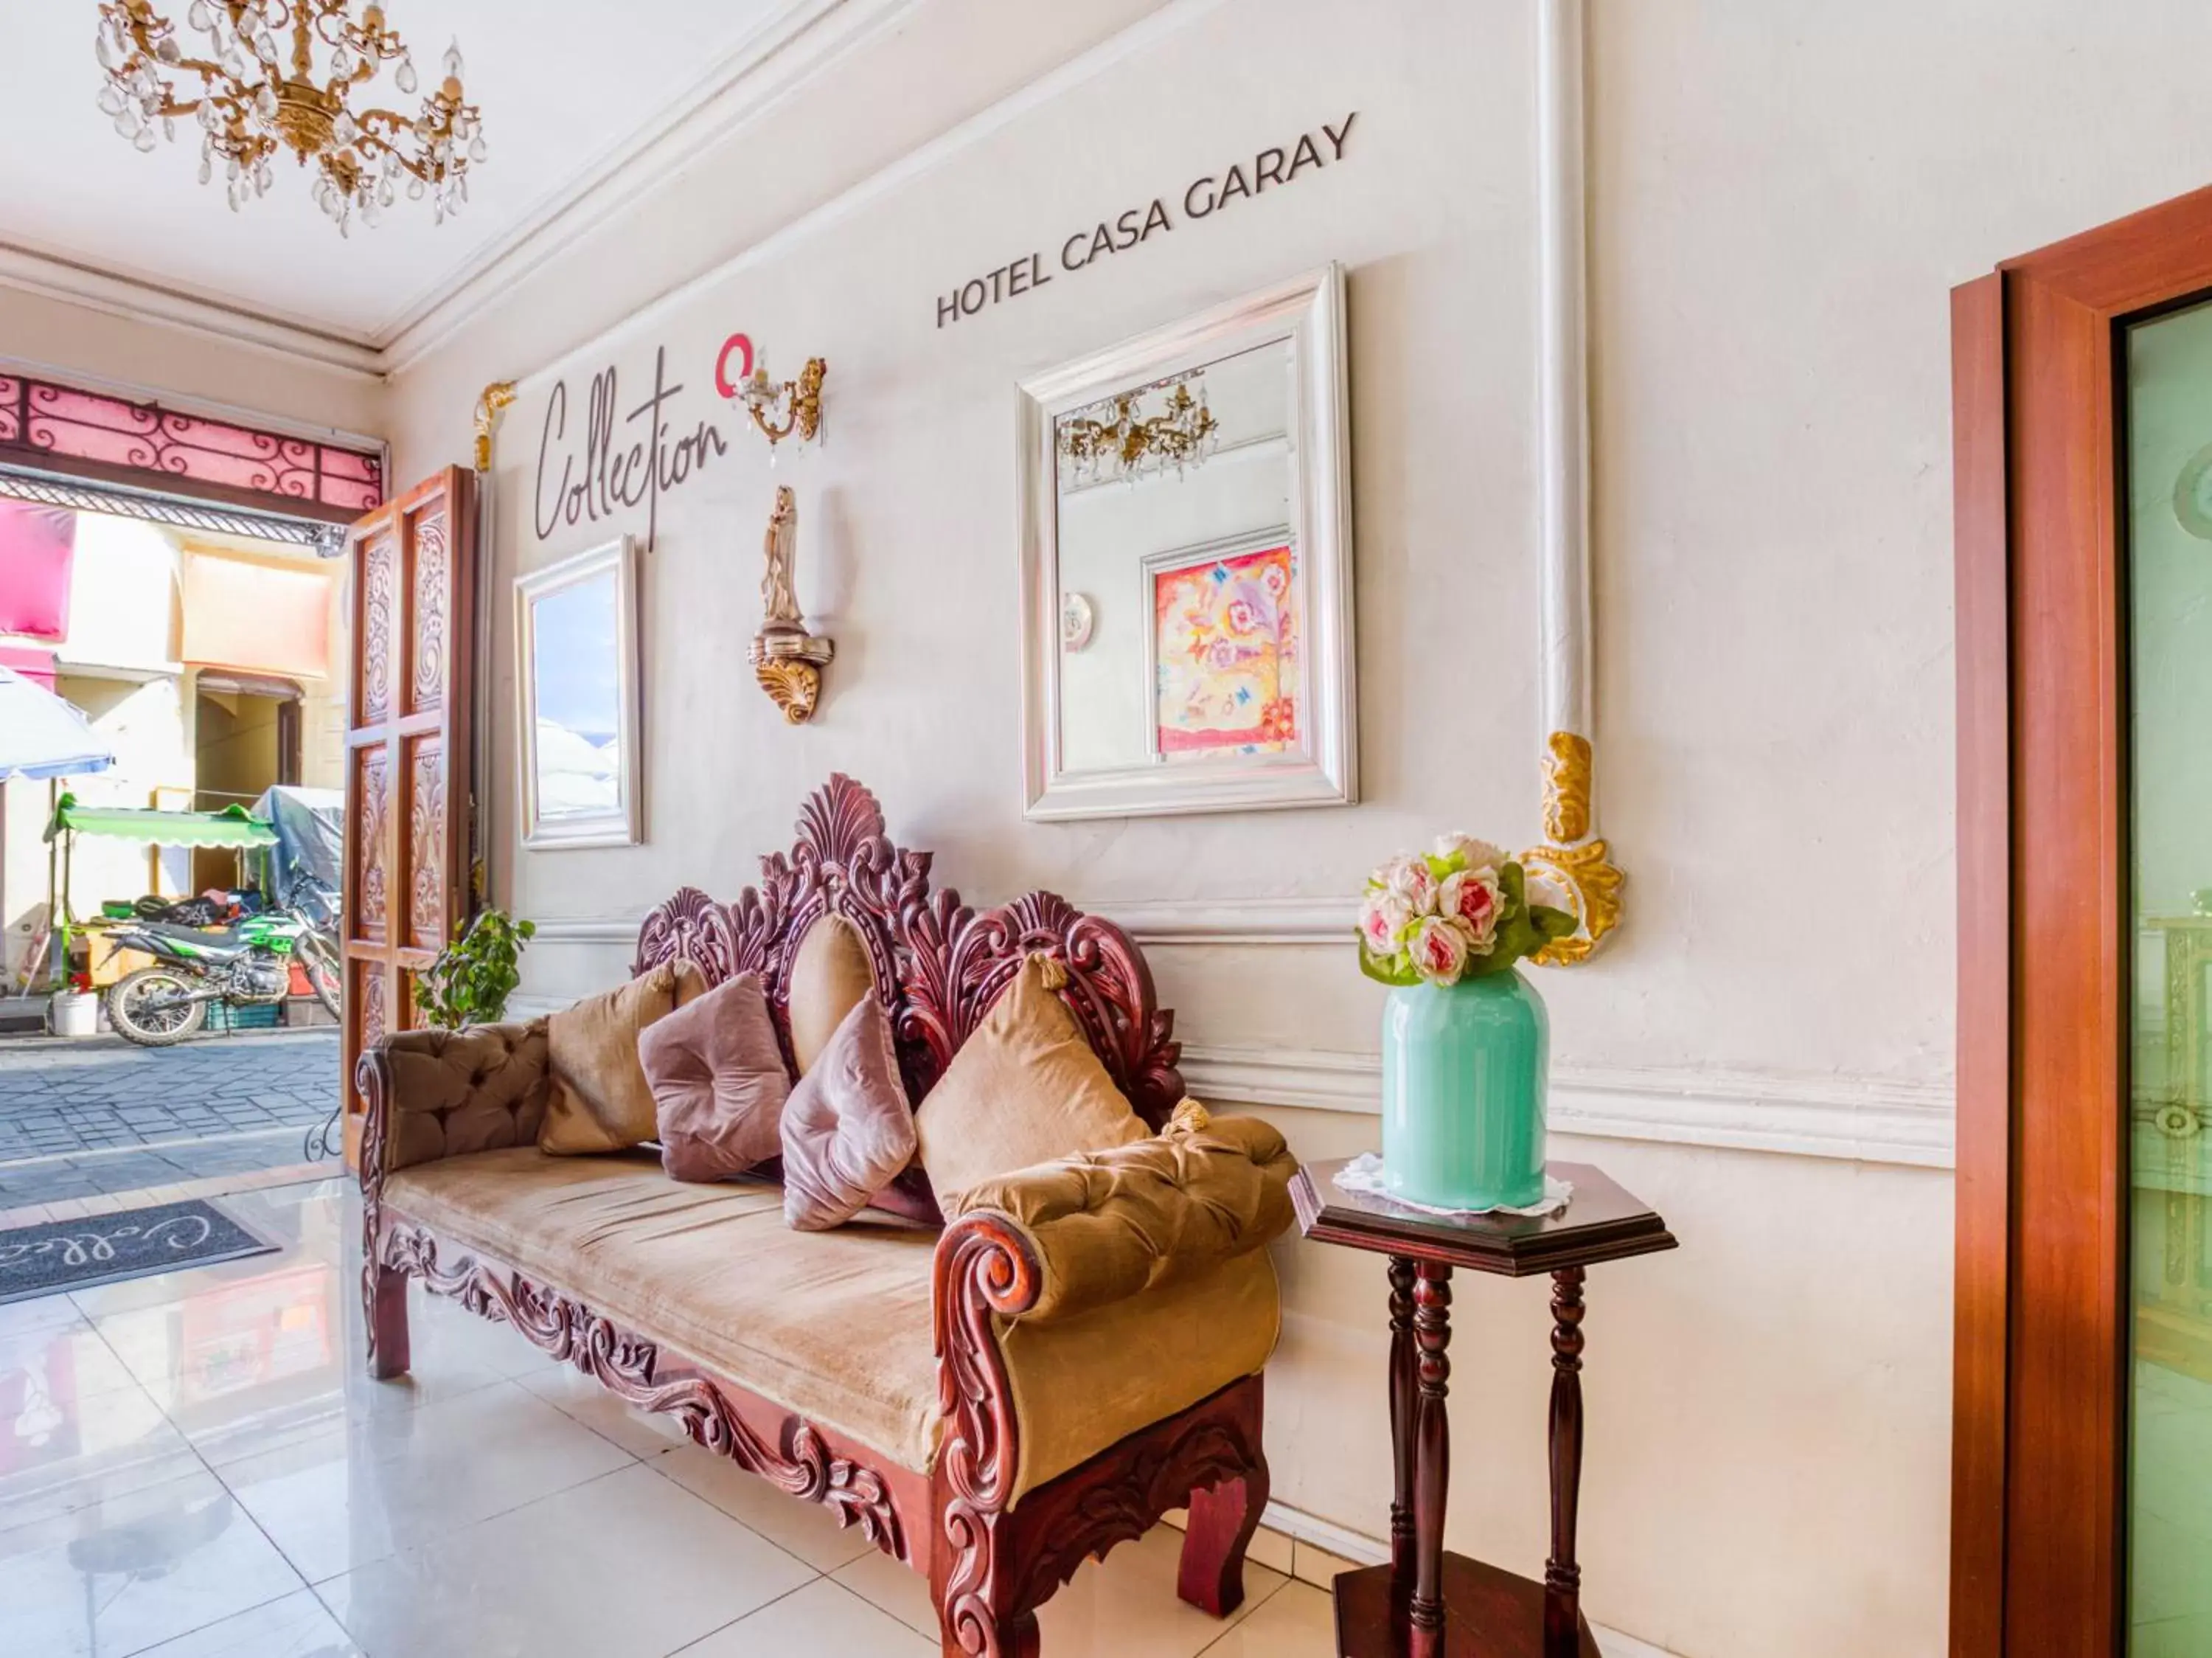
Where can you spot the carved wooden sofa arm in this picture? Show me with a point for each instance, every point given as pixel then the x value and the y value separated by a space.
pixel 429 1094
pixel 1043 1247
pixel 1107 1225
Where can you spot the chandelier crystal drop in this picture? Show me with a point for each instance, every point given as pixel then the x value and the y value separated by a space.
pixel 1114 438
pixel 248 76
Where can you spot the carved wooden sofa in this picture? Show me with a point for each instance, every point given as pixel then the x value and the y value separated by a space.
pixel 928 1440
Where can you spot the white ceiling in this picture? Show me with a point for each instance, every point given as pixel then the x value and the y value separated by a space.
pixel 567 87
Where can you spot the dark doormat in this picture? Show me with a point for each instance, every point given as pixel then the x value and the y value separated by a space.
pixel 132 1243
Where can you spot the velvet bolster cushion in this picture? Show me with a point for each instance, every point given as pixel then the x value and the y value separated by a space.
pixel 1108 1224
pixel 830 975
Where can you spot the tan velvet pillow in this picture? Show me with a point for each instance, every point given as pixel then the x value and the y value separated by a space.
pixel 829 976
pixel 718 1081
pixel 847 1130
pixel 1024 1088
pixel 599 1100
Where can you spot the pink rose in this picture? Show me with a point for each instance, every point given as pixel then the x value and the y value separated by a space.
pixel 1410 878
pixel 1472 899
pixel 1440 951
pixel 1478 854
pixel 1381 919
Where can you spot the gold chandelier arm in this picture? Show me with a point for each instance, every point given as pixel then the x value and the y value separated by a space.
pixel 775 434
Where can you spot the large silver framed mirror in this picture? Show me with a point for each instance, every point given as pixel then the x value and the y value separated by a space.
pixel 1186 567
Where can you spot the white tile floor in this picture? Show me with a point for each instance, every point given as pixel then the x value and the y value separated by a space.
pixel 194 1466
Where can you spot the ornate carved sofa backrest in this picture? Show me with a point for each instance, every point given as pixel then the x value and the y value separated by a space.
pixel 938 965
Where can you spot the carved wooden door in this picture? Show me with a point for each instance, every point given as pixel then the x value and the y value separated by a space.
pixel 407 755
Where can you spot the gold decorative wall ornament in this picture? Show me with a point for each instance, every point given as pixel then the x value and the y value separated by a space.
pixel 253 97
pixel 490 404
pixel 1126 444
pixel 786 659
pixel 779 411
pixel 1582 868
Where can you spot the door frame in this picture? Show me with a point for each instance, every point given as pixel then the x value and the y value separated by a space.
pixel 2041 1335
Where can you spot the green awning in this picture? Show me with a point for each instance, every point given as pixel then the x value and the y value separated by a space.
pixel 232 826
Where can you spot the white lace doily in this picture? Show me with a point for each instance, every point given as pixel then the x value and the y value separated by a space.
pixel 1363 1174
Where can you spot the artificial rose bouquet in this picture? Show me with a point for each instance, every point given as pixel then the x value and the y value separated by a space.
pixel 1460 912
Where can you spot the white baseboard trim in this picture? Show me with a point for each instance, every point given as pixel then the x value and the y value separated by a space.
pixel 1326 1535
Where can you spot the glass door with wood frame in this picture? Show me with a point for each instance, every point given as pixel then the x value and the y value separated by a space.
pixel 2168 607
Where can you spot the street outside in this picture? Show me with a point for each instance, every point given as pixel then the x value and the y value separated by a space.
pixel 79 1118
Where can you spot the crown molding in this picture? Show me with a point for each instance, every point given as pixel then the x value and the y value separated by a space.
pixel 49 275
pixel 800 41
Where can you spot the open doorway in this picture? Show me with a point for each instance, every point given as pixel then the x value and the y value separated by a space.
pixel 246 741
pixel 212 666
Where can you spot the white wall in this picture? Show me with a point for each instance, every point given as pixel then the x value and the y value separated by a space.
pixel 1783 196
pixel 97 344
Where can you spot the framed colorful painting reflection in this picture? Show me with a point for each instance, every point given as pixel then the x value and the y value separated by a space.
pixel 1224 647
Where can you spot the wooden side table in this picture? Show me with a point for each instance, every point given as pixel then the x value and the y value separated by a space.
pixel 1427 1603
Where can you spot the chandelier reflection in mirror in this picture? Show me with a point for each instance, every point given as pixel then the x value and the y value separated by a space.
pixel 250 78
pixel 1114 439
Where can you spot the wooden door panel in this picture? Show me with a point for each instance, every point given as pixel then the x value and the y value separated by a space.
pixel 406 804
pixel 2040 1413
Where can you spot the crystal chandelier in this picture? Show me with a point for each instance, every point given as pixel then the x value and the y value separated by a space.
pixel 1126 444
pixel 253 92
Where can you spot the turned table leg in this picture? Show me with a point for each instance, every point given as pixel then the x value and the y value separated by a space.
pixel 1432 1456
pixel 1402 1424
pixel 1562 1577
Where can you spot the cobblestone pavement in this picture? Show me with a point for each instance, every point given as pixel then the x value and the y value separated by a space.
pixel 98 1115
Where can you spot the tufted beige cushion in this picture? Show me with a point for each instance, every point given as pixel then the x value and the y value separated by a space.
pixel 1108 1224
pixel 835 1325
pixel 454 1092
pixel 830 974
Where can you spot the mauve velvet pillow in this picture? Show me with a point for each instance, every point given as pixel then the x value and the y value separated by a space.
pixel 718 1084
pixel 847 1130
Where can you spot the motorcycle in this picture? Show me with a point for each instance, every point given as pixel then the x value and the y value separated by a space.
pixel 247 962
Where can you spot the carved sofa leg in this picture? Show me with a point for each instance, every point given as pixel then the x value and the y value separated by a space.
pixel 1222 1520
pixel 384 1298
pixel 975 1613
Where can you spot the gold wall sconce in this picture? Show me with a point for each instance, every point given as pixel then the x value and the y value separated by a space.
pixel 786 659
pixel 779 411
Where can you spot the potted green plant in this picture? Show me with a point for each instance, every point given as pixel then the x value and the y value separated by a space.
pixel 473 976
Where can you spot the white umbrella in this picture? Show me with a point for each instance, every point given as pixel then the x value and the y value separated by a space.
pixel 42 736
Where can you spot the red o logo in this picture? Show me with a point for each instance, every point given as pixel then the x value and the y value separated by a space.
pixel 723 383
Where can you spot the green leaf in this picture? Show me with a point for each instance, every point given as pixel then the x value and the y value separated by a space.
pixel 1551 922
pixel 1378 969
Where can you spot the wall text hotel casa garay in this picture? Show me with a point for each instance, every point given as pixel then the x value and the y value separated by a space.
pixel 1203 197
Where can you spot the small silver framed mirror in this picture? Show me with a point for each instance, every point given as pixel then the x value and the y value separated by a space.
pixel 576 687
pixel 1187 494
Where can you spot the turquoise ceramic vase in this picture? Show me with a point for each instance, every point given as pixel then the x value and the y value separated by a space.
pixel 1463 1069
